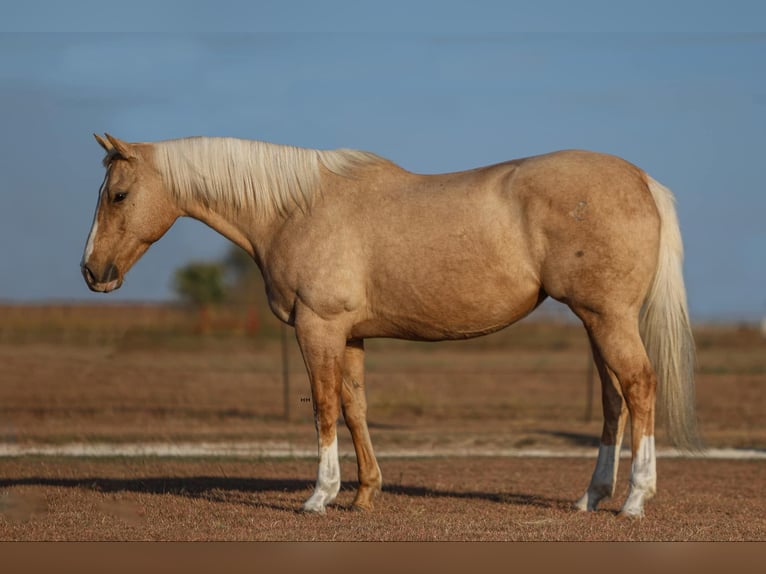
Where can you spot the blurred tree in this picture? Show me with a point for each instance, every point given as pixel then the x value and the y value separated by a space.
pixel 202 285
pixel 234 280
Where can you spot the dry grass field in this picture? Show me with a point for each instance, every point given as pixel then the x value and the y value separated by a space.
pixel 144 374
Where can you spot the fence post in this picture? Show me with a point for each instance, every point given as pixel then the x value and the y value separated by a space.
pixel 285 373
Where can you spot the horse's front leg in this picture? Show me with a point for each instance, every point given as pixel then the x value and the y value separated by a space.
pixel 355 414
pixel 322 344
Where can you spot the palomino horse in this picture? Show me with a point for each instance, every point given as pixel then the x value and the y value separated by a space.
pixel 352 246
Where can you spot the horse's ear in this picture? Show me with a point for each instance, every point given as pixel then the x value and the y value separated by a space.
pixel 103 143
pixel 121 148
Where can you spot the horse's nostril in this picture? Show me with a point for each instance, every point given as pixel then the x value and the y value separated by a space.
pixel 88 274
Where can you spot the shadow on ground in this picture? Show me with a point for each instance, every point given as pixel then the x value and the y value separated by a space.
pixel 216 487
pixel 499 497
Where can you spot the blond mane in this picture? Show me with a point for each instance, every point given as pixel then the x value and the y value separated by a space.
pixel 236 174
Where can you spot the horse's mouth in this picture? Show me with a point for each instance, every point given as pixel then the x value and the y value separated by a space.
pixel 106 287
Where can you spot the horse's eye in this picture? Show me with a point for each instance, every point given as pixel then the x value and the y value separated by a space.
pixel 120 196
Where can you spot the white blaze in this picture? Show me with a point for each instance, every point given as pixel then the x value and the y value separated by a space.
pixel 94 227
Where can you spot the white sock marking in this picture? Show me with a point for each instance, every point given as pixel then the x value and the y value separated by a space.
pixel 643 478
pixel 605 466
pixel 604 477
pixel 328 479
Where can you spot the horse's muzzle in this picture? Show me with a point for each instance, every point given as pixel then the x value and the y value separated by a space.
pixel 108 281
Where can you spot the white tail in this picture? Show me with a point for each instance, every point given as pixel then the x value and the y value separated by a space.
pixel 666 331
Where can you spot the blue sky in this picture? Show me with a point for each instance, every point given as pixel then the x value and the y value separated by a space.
pixel 676 87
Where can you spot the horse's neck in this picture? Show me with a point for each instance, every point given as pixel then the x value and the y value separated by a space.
pixel 236 187
pixel 243 229
pixel 255 221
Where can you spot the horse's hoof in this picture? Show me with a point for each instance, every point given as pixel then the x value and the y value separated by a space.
pixel 586 504
pixel 580 506
pixel 312 509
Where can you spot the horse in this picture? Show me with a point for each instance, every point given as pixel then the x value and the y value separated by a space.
pixel 352 246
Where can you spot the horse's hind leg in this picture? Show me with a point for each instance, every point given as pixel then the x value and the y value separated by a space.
pixel 617 338
pixel 615 414
pixel 355 414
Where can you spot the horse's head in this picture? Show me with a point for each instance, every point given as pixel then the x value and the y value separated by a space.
pixel 133 211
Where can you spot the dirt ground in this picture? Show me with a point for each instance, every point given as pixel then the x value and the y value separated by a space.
pixel 523 389
pixel 436 499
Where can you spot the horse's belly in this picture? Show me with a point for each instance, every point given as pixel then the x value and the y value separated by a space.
pixel 449 308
